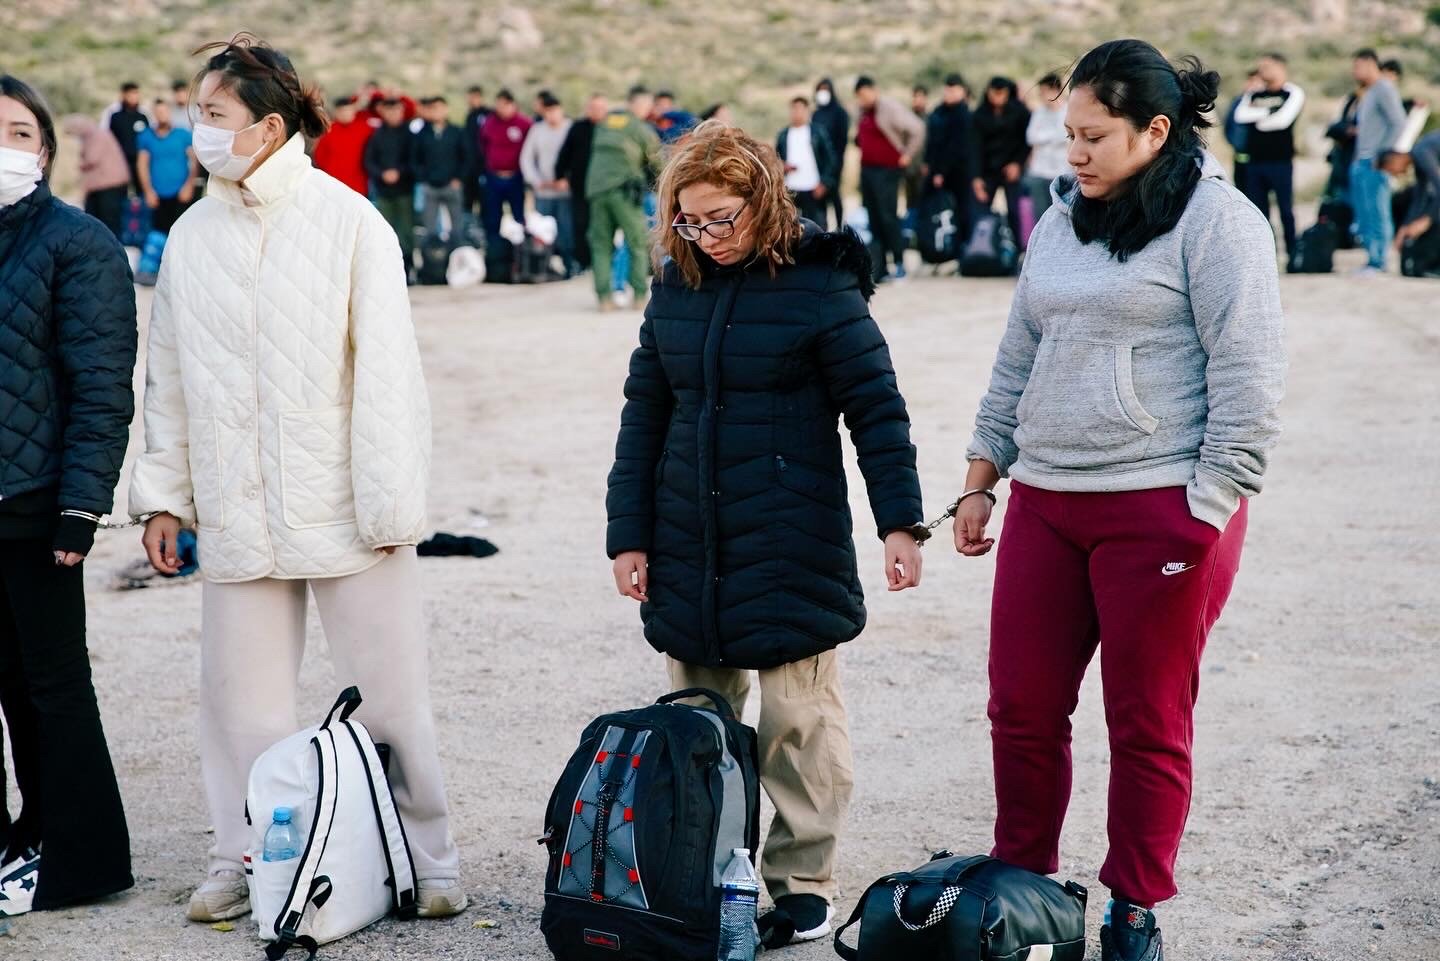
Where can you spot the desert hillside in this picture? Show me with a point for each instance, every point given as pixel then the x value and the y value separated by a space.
pixel 750 54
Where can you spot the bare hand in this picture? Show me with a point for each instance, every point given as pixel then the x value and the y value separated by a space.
pixel 905 159
pixel 1012 173
pixel 68 558
pixel 632 575
pixel 455 184
pixel 978 186
pixel 161 533
pixel 970 522
pixel 390 176
pixel 902 561
pixel 387 551
pixel 562 185
pixel 152 199
pixel 820 192
pixel 187 193
pixel 938 180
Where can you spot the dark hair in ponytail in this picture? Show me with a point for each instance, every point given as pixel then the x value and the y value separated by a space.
pixel 265 81
pixel 1133 80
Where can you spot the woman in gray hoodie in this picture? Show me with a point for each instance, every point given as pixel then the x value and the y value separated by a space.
pixel 1132 405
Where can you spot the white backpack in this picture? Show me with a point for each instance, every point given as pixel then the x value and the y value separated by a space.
pixel 355 867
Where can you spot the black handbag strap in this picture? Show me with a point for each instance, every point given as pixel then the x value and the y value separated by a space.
pixel 843 949
pixel 968 913
pixel 721 705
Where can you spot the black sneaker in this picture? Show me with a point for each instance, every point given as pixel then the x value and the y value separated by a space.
pixel 1131 935
pixel 796 918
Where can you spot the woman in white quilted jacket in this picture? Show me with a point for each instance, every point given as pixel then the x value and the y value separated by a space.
pixel 286 418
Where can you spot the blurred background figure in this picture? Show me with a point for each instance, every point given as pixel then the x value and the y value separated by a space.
pixel 104 174
pixel 539 162
pixel 1048 142
pixel 340 151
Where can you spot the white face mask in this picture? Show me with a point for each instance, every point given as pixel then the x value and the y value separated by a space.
pixel 19 173
pixel 822 97
pixel 214 148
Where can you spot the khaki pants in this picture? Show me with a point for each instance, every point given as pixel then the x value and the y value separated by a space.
pixel 252 637
pixel 805 764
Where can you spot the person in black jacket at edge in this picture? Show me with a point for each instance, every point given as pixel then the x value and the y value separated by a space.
pixel 998 150
pixel 833 118
pixel 947 149
pixel 67 353
pixel 729 516
pixel 571 167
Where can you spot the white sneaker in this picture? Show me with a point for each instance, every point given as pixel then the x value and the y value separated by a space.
pixel 17 884
pixel 223 897
pixel 816 933
pixel 441 898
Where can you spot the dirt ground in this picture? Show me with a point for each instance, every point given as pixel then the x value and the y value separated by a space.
pixel 1314 831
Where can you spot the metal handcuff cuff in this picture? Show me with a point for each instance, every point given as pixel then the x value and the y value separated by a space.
pixel 923 532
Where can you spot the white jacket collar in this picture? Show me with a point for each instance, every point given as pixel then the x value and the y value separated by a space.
pixel 276 178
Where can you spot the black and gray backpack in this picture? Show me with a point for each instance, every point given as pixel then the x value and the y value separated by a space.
pixel 640 828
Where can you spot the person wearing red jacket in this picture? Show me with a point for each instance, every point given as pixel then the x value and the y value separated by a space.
pixel 340 151
pixel 501 140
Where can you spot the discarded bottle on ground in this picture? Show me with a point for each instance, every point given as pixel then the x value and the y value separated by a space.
pixel 739 894
pixel 282 838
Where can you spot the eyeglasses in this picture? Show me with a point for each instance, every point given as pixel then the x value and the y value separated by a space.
pixel 719 229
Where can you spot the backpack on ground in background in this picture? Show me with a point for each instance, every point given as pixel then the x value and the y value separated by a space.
pixel 134 222
pixel 1314 251
pixel 1420 257
pixel 1342 215
pixel 434 259
pixel 990 251
pixel 968 909
pixel 938 234
pixel 356 867
pixel 500 262
pixel 640 828
pixel 1026 218
pixel 147 270
pixel 533 262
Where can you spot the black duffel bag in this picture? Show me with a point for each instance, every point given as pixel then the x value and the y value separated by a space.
pixel 968 909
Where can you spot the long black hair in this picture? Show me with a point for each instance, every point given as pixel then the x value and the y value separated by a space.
pixel 29 98
pixel 1133 80
pixel 265 81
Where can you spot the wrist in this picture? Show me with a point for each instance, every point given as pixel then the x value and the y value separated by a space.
pixel 985 492
pixel 75 534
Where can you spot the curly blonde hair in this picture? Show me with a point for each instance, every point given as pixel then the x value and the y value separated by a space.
pixel 728 158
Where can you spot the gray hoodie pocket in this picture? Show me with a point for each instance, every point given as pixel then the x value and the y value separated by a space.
pixel 1080 411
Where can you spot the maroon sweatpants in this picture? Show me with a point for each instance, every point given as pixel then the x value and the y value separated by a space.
pixel 1134 573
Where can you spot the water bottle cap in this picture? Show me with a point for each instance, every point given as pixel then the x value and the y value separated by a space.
pixel 281 816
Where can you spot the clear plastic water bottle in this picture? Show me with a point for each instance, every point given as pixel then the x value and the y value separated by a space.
pixel 739 894
pixel 282 838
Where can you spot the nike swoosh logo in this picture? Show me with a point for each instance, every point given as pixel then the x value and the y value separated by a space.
pixel 1172 571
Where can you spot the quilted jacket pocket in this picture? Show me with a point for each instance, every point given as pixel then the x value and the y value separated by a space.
pixel 316 487
pixel 207 476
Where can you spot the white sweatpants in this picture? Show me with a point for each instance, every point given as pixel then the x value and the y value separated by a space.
pixel 252 637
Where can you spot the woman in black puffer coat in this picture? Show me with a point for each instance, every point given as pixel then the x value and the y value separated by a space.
pixel 729 514
pixel 67 352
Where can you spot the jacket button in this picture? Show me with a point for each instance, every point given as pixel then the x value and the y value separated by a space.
pixel 245 283
pixel 253 493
